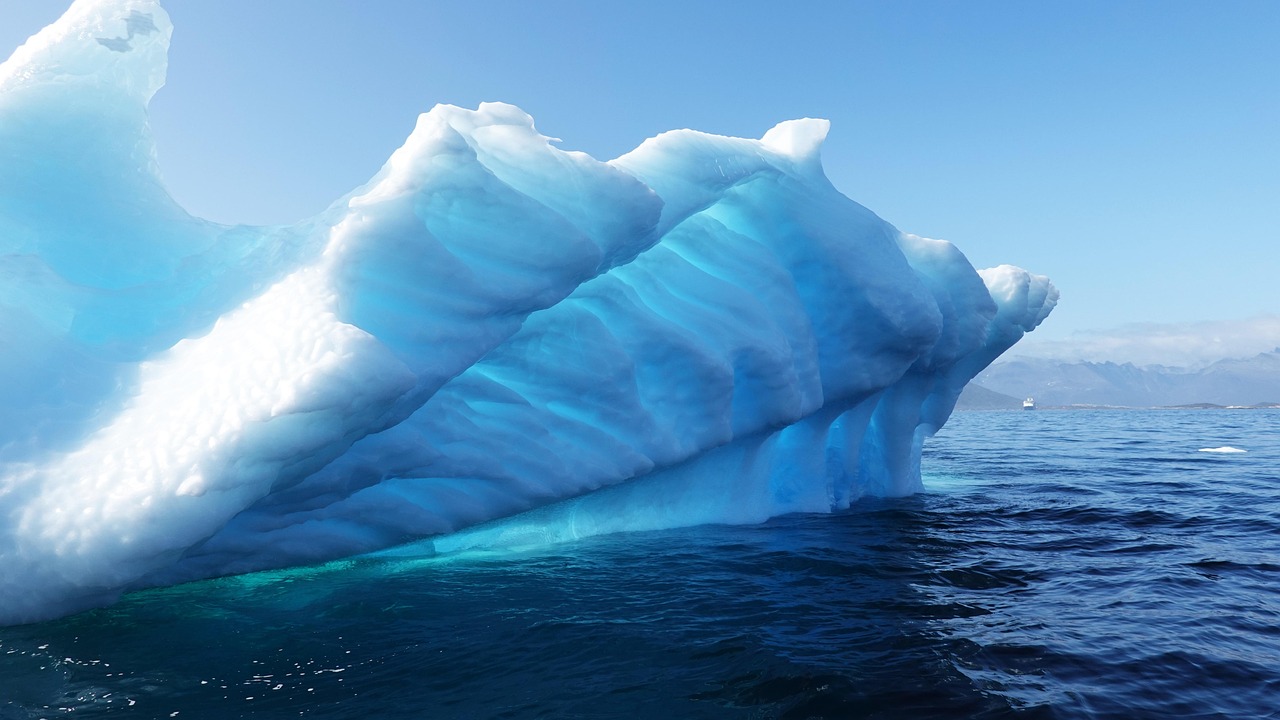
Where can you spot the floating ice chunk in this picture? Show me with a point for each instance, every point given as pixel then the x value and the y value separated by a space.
pixel 702 330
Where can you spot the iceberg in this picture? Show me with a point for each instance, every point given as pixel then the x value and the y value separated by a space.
pixel 702 330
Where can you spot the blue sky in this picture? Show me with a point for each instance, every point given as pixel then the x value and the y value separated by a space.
pixel 1129 150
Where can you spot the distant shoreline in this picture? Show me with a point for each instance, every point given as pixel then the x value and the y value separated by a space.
pixel 1191 406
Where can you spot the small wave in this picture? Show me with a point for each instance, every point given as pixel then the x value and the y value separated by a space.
pixel 1223 449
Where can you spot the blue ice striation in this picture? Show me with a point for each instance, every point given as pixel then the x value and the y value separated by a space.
pixel 700 331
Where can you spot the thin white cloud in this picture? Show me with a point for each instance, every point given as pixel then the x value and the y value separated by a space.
pixel 1176 344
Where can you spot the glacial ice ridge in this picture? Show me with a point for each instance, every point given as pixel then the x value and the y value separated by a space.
pixel 702 330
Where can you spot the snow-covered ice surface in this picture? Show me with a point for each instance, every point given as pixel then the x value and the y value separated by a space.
pixel 702 330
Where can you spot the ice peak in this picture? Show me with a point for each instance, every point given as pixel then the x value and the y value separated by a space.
pixel 801 139
pixel 124 43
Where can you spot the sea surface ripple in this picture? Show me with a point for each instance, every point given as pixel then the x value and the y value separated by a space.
pixel 1062 564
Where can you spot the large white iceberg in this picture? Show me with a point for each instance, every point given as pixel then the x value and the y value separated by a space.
pixel 702 330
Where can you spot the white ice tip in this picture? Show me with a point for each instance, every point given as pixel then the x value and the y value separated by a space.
pixel 798 138
pixel 1223 449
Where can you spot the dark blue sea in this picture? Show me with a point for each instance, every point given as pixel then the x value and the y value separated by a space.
pixel 1061 564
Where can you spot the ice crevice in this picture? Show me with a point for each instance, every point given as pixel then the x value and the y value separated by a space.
pixel 492 340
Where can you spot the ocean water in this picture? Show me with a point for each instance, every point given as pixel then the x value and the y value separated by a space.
pixel 1064 564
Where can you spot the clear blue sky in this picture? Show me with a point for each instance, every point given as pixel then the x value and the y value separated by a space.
pixel 1129 150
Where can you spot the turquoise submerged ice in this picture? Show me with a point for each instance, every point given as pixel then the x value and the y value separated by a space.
pixel 702 330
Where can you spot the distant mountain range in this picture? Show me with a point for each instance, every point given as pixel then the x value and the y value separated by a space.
pixel 1243 381
pixel 976 397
